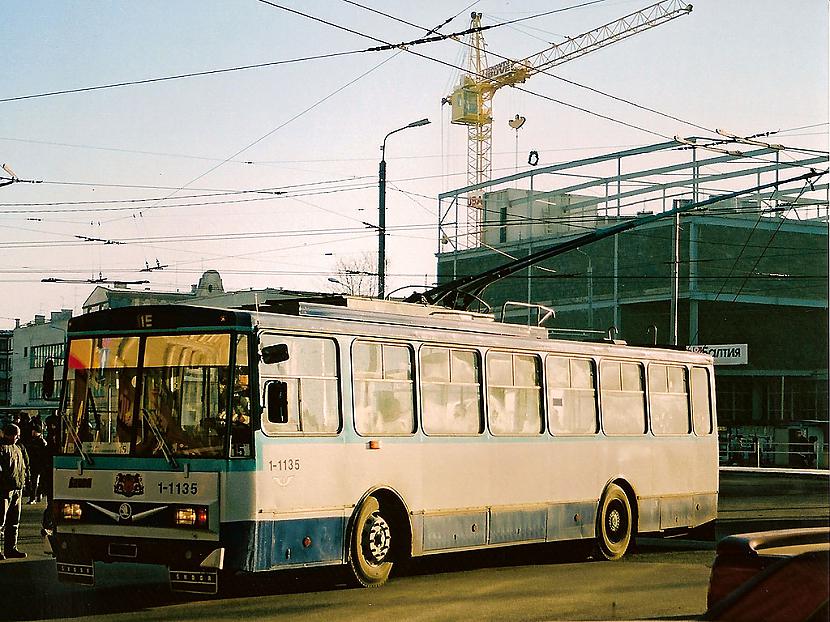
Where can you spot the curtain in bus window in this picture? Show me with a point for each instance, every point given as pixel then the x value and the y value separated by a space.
pixel 450 391
pixel 101 381
pixel 623 403
pixel 669 398
pixel 310 374
pixel 383 388
pixel 572 400
pixel 514 393
pixel 701 407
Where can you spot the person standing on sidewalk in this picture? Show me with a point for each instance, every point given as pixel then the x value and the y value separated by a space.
pixel 39 462
pixel 14 471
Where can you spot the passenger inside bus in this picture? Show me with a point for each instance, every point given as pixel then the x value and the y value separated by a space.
pixel 241 418
pixel 126 401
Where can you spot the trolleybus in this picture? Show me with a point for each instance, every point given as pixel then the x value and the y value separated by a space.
pixel 362 432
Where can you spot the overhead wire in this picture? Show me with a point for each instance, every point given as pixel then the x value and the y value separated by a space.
pixel 446 63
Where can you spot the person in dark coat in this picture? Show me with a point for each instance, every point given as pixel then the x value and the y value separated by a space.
pixel 39 462
pixel 14 471
pixel 52 447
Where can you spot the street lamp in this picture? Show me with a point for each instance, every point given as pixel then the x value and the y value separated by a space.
pixel 382 207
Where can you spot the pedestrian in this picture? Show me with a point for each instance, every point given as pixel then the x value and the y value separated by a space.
pixel 25 426
pixel 39 462
pixel 14 471
pixel 53 442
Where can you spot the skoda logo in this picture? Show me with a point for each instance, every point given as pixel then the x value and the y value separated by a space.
pixel 125 511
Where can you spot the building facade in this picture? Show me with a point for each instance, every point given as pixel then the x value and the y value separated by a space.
pixel 6 349
pixel 758 286
pixel 35 343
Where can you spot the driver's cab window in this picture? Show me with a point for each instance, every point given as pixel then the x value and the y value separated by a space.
pixel 241 436
pixel 300 385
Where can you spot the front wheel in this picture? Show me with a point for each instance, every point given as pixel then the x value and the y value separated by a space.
pixel 371 545
pixel 614 528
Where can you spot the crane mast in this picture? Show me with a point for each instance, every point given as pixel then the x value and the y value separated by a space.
pixel 471 101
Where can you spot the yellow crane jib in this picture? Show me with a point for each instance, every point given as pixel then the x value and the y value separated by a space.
pixel 471 101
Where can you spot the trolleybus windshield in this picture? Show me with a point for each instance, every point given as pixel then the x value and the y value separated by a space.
pixel 148 396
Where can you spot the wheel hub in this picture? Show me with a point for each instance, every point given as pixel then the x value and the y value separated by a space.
pixel 614 521
pixel 377 539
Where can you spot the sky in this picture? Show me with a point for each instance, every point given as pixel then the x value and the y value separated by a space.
pixel 171 173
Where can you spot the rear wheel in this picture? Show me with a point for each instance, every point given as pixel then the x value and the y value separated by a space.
pixel 371 545
pixel 614 523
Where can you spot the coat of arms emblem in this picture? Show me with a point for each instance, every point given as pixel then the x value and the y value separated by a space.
pixel 128 484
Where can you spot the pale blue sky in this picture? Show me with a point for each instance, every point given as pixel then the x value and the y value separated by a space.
pixel 745 65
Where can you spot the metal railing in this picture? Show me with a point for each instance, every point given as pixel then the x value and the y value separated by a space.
pixel 760 452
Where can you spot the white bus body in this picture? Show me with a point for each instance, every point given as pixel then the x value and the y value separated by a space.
pixel 389 430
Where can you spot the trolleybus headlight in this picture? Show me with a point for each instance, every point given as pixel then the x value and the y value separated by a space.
pixel 71 511
pixel 192 516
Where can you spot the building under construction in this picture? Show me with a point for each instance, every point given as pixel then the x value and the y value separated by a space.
pixel 744 278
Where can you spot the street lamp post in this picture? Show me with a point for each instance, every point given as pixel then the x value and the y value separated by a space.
pixel 382 207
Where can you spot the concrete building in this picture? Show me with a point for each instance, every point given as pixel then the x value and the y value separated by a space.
pixel 35 343
pixel 6 341
pixel 744 278
pixel 752 292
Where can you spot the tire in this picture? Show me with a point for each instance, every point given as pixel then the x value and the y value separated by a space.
pixel 371 545
pixel 614 524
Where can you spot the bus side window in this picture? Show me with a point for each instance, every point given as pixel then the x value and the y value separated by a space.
pixel 301 390
pixel 277 401
pixel 623 398
pixel 514 393
pixel 701 406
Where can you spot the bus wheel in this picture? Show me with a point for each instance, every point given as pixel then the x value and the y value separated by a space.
pixel 371 545
pixel 614 523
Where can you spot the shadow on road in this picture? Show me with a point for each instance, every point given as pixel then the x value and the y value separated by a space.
pixel 29 589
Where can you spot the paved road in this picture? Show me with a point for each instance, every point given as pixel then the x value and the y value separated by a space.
pixel 662 580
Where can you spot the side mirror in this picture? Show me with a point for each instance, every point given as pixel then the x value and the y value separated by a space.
pixel 276 399
pixel 276 353
pixel 48 380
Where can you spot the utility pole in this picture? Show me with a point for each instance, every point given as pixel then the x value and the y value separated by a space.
pixel 382 207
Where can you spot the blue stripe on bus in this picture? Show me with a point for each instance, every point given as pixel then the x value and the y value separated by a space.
pixel 268 545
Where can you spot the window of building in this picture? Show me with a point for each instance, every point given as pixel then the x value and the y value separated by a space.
pixel 514 393
pixel 623 398
pixel 572 400
pixel 734 398
pixel 308 384
pixel 503 224
pixel 668 394
pixel 36 391
pixel 384 401
pixel 450 391
pixel 40 354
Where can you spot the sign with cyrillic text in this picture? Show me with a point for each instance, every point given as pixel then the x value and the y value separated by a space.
pixel 725 353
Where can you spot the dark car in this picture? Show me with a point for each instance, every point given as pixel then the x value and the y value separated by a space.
pixel 771 576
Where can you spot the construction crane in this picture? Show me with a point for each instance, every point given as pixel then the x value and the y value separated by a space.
pixel 472 100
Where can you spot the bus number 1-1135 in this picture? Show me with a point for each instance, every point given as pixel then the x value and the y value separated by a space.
pixel 289 464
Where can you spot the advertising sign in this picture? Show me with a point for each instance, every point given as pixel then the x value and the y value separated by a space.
pixel 724 354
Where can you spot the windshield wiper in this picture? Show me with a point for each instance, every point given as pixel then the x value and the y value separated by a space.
pixel 165 448
pixel 70 429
